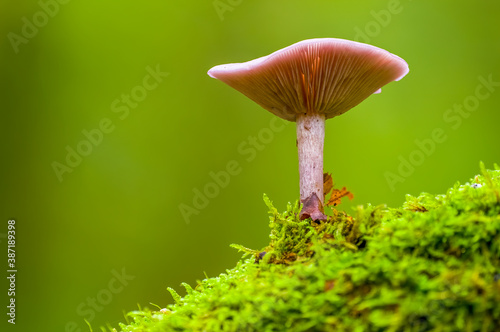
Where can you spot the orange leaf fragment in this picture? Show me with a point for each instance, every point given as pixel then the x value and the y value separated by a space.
pixel 337 195
pixel 329 284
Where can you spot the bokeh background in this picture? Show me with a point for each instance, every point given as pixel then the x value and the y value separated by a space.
pixel 108 234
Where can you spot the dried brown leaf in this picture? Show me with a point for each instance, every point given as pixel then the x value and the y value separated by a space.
pixel 327 183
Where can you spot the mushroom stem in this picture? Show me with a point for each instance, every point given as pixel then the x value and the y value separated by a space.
pixel 310 141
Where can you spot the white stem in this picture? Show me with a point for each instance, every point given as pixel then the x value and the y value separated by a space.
pixel 310 141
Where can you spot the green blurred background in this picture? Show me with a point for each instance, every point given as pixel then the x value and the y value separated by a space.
pixel 118 210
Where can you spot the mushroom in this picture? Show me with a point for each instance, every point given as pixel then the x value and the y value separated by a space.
pixel 309 82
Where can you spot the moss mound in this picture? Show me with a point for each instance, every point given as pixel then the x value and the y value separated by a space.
pixel 431 265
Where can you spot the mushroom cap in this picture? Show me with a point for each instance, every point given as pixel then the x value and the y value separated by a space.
pixel 324 75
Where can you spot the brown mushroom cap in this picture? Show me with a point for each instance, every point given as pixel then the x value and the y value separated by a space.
pixel 325 75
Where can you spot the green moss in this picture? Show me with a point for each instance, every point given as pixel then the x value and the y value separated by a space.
pixel 431 265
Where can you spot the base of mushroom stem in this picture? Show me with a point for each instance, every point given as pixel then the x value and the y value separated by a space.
pixel 312 208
